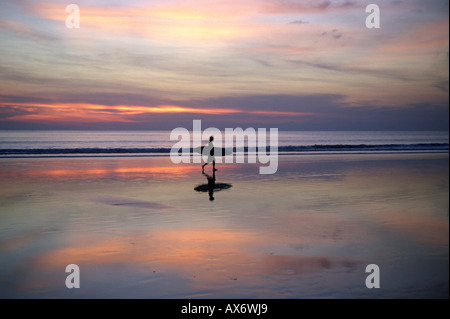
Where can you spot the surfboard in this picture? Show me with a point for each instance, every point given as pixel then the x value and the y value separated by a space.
pixel 216 151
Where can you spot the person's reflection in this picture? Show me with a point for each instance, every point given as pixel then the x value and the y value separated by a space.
pixel 212 185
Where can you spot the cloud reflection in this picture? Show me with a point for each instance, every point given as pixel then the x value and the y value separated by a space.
pixel 206 258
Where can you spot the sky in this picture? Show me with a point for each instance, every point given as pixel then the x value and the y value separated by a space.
pixel 160 64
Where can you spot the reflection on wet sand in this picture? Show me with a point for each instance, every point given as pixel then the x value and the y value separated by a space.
pixel 118 201
pixel 208 258
pixel 211 186
pixel 136 228
pixel 85 168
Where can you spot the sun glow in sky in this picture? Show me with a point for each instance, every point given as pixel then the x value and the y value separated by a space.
pixel 293 64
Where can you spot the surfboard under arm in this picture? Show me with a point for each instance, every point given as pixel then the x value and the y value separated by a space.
pixel 216 151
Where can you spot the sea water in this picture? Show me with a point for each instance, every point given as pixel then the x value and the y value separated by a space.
pixel 130 143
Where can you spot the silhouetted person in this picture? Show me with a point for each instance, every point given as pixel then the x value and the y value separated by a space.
pixel 209 150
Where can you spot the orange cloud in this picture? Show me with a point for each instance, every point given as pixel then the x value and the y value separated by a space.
pixel 420 39
pixel 75 112
pixel 184 21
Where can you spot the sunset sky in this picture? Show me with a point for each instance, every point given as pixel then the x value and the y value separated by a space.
pixel 291 64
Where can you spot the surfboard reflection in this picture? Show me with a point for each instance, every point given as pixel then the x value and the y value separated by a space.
pixel 211 186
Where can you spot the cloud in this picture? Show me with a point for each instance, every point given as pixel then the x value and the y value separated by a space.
pixel 268 55
pixel 17 99
pixel 296 6
pixel 298 22
pixel 336 34
pixel 307 6
pixel 11 111
pixel 351 69
pixel 286 112
pixel 442 85
pixel 22 30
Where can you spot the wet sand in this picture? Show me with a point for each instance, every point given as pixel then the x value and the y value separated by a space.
pixel 141 227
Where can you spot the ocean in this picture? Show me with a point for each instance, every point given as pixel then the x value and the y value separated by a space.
pixel 151 143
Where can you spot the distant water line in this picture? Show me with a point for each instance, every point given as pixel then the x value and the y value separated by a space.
pixel 153 143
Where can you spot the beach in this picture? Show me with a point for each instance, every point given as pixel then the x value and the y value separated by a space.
pixel 141 227
pixel 328 122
